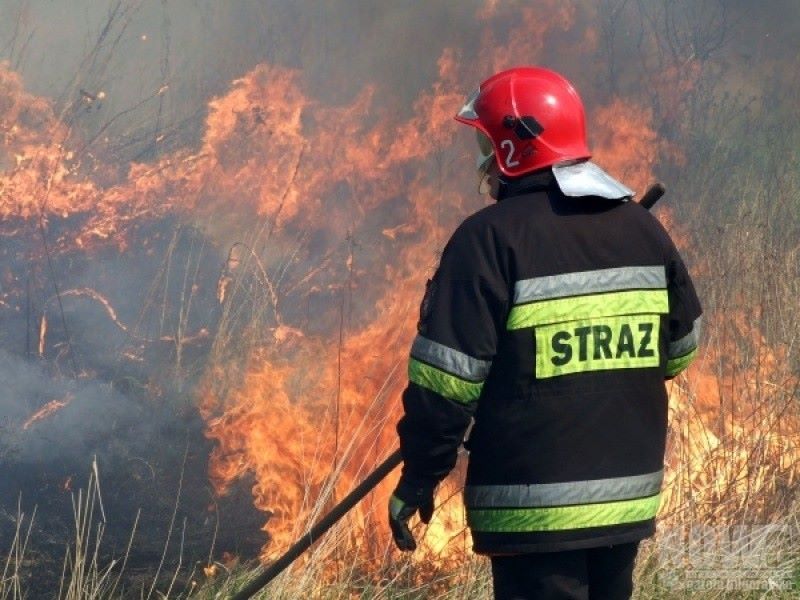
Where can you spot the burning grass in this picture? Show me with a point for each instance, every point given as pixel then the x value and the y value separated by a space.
pixel 271 281
pixel 734 446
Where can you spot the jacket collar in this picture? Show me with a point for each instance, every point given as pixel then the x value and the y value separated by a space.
pixel 527 184
pixel 574 180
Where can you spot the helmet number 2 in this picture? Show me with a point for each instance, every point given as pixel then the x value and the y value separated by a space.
pixel 510 146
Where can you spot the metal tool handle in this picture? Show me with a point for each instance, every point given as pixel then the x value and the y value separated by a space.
pixel 652 195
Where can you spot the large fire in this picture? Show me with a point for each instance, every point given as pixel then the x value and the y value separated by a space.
pixel 313 415
pixel 733 434
pixel 331 218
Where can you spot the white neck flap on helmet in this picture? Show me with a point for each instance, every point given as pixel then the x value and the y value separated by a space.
pixel 587 179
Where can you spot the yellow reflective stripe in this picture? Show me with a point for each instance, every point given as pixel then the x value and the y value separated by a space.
pixel 561 518
pixel 443 383
pixel 628 302
pixel 676 365
pixel 628 342
pixel 395 506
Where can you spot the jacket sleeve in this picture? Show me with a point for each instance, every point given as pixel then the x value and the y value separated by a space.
pixel 462 313
pixel 684 316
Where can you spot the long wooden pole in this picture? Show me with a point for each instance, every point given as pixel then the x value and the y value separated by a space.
pixel 321 528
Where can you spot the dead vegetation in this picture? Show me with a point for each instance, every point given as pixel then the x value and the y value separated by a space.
pixel 285 355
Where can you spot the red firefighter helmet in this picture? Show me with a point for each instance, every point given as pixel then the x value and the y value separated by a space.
pixel 533 118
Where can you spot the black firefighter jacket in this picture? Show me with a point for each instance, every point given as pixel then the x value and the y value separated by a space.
pixel 553 322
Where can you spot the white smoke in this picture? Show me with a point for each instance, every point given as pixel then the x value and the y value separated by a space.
pixel 95 419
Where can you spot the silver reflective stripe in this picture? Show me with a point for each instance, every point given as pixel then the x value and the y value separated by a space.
pixel 563 494
pixel 587 179
pixel 468 110
pixel 450 360
pixel 687 343
pixel 589 282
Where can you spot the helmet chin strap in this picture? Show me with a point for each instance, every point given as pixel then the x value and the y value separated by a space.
pixel 490 180
pixel 484 183
pixel 492 186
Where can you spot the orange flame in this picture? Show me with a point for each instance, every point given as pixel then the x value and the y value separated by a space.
pixel 313 413
pixel 733 439
pixel 48 409
pixel 351 203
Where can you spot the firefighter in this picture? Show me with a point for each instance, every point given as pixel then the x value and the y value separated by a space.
pixel 551 324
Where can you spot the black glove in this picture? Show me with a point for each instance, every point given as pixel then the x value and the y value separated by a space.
pixel 407 500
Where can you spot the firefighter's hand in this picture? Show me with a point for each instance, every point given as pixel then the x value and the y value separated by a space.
pixel 403 504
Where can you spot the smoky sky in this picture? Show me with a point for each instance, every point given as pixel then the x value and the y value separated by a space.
pixel 162 60
pixel 194 49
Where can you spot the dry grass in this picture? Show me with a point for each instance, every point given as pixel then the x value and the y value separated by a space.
pixel 11 587
pixel 733 447
pixel 88 573
pixel 734 460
